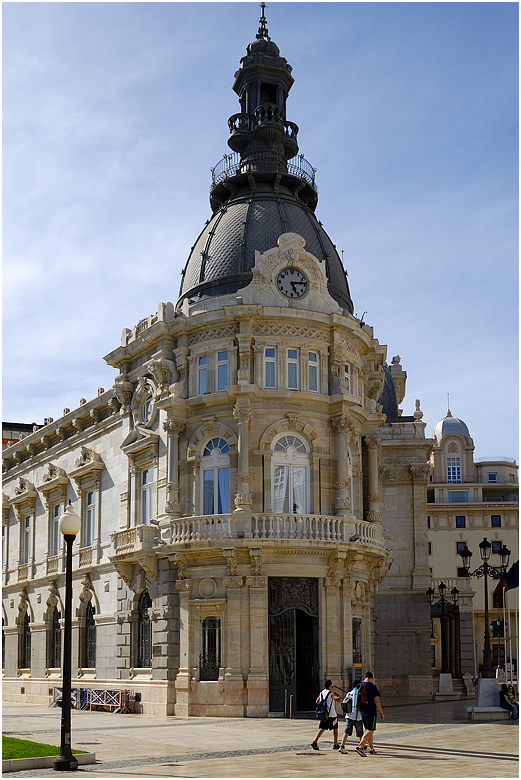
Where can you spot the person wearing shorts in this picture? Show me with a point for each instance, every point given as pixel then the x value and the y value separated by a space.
pixel 369 714
pixel 331 724
pixel 353 718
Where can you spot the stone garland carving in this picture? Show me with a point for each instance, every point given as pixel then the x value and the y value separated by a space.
pixel 256 561
pixel 344 483
pixel 373 517
pixel 289 330
pixel 52 599
pixel 373 498
pixel 244 477
pixel 343 503
pixel 401 474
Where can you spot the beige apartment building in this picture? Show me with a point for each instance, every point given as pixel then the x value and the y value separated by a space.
pixel 468 500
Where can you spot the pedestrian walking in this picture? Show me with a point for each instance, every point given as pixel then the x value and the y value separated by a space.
pixel 369 703
pixel 330 720
pixel 353 717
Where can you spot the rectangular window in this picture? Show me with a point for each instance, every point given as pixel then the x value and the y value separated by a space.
pixel 496 547
pixel 428 521
pixel 429 548
pixel 216 491
pixel 201 375
pixel 222 371
pixel 55 529
pixel 492 477
pixel 26 538
pixel 460 547
pixel 495 521
pixel 270 374
pixel 90 508
pixel 460 521
pixel 347 378
pixel 313 372
pixel 147 496
pixel 453 470
pixel 292 369
pixel 493 499
pixel 458 496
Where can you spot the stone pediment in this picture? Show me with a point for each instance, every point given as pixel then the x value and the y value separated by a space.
pixel 290 254
pixel 54 478
pixel 139 441
pixel 87 464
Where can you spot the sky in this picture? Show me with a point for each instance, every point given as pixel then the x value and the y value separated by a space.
pixel 114 113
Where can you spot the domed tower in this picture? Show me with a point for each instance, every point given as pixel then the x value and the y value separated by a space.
pixel 261 190
pixel 452 458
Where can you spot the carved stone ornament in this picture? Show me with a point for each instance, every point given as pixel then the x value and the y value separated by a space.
pixel 180 561
pixel 22 486
pixel 419 470
pixel 372 442
pixel 86 593
pixel 373 498
pixel 52 598
pixel 123 391
pixel 244 477
pixel 243 499
pixel 257 582
pixel 360 591
pixel 242 414
pixel 343 503
pixel 231 561
pixel 343 483
pixel 185 585
pixel 232 582
pixel 453 447
pixel 293 593
pixel 174 426
pixel 401 474
pixel 162 371
pixel 209 426
pixel 86 456
pixel 292 421
pixel 125 571
pixel 51 473
pixel 23 604
pixel 373 517
pixel 256 561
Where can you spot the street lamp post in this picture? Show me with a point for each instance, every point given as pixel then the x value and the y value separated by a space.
pixel 69 525
pixel 442 602
pixel 484 571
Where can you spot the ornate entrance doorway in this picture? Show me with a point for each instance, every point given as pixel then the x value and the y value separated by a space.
pixel 293 642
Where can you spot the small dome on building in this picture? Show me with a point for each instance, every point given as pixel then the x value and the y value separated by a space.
pixel 263 46
pixel 450 424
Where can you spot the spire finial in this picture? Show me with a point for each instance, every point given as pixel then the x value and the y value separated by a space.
pixel 449 414
pixel 263 30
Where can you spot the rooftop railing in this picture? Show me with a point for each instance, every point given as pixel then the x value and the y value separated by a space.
pixel 231 165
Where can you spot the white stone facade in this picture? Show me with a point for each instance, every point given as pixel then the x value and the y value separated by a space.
pixel 240 470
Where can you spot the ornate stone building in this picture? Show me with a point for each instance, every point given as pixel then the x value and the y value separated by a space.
pixel 253 501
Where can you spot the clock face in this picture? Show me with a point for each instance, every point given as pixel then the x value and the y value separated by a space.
pixel 292 283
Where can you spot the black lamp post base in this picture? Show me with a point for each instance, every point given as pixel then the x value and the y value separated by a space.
pixel 65 764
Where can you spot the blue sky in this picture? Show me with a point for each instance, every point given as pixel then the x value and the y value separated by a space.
pixel 113 114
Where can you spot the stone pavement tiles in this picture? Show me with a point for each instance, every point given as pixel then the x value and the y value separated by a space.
pixel 409 744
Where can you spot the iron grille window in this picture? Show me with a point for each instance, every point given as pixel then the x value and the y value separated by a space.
pixel 210 659
pixel 144 631
pixel 90 637
pixel 357 640
pixel 25 661
pixel 56 640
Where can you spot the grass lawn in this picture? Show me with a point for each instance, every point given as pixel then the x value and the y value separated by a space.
pixel 24 748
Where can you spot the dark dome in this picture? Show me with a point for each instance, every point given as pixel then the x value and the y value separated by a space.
pixel 224 254
pixel 388 398
pixel 263 46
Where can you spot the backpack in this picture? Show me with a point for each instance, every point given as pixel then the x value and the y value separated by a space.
pixel 363 695
pixel 349 702
pixel 322 709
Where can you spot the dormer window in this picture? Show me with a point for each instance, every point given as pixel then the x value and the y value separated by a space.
pixel 453 470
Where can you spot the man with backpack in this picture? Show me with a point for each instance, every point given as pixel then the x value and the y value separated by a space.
pixel 327 713
pixel 353 717
pixel 369 703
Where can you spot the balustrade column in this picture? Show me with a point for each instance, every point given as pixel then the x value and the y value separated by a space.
pixel 343 484
pixel 373 448
pixel 173 428
pixel 243 499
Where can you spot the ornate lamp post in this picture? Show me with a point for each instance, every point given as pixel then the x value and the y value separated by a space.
pixel 484 571
pixel 443 602
pixel 69 525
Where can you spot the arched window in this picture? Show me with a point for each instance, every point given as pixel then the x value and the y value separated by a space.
pixel 144 631
pixel 290 465
pixel 215 470
pixel 56 640
pixel 90 637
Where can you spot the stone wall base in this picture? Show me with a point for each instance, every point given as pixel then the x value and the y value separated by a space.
pixel 413 685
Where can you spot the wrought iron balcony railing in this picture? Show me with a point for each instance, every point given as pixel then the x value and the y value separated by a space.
pixel 230 165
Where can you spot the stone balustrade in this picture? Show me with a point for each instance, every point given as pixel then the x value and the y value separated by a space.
pixel 52 564
pixel 133 540
pixel 85 556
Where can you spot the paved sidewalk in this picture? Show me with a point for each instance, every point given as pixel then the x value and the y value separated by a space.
pixel 417 739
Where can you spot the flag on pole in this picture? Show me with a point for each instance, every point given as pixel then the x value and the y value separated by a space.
pixel 508 581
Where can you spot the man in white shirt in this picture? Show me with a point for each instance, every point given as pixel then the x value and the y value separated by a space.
pixel 330 723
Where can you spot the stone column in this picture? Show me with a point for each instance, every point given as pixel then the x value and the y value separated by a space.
pixel 421 573
pixel 183 678
pixel 131 504
pixel 173 429
pixel 373 448
pixel 242 415
pixel 347 617
pixel 343 484
pixel 257 685
pixel 333 622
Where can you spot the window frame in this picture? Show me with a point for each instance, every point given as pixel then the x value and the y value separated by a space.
pixel 215 460
pixel 146 495
pixel 460 518
pixel 314 363
pixel 453 466
pixel 495 524
pixel 290 459
pixel 220 364
pixel 492 474
pixel 202 374
pixel 26 539
pixel 89 518
pixel 293 363
pixel 269 360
